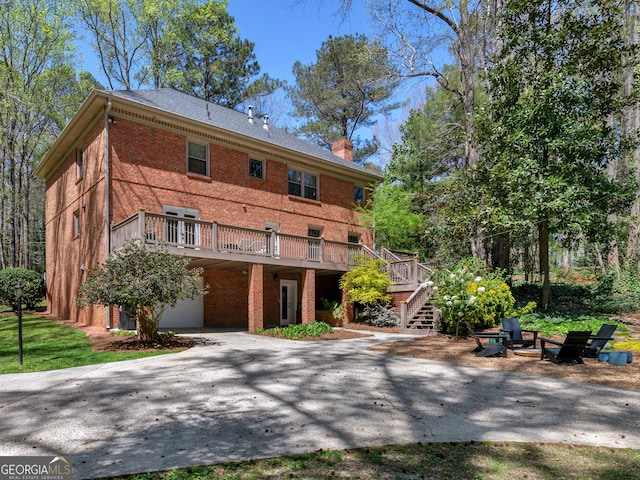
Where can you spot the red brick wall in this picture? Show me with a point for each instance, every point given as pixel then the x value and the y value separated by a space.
pixel 149 171
pixel 397 298
pixel 66 253
pixel 220 308
pixel 308 300
pixel 256 295
pixel 223 309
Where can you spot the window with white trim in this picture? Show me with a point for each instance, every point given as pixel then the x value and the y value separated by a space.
pixel 76 223
pixel 79 164
pixel 256 168
pixel 358 195
pixel 303 184
pixel 197 158
pixel 353 238
pixel 315 232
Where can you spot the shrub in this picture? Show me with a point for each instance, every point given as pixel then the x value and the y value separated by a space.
pixel 31 281
pixel 334 306
pixel 472 294
pixel 603 297
pixel 295 332
pixel 144 281
pixel 367 283
pixel 380 316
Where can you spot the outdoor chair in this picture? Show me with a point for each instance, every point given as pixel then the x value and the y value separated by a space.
pixel 599 340
pixel 496 343
pixel 568 352
pixel 511 326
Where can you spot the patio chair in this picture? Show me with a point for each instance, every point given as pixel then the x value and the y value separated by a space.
pixel 511 326
pixel 567 352
pixel 599 340
pixel 496 343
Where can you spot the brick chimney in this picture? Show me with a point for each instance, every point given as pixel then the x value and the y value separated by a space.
pixel 344 149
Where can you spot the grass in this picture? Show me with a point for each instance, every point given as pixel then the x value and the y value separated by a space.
pixel 444 461
pixel 51 345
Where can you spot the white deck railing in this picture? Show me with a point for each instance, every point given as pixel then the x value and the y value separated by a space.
pixel 198 235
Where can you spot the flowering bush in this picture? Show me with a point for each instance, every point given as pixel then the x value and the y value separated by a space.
pixel 482 300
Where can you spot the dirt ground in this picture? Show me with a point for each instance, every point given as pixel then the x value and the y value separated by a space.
pixel 445 348
pixel 441 348
pixel 103 341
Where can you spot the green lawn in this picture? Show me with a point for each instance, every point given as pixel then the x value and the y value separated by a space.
pixel 50 345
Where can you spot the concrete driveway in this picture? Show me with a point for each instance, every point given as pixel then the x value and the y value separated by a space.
pixel 241 396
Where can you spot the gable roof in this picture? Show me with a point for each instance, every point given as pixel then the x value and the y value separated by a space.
pixel 209 115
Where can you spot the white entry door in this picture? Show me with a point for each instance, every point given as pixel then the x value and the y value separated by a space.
pixel 288 301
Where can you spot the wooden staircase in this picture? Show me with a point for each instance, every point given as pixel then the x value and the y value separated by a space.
pixel 425 321
pixel 417 315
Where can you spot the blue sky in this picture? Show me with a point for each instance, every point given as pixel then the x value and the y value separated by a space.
pixel 285 31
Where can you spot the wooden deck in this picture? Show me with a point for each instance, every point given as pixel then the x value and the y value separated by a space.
pixel 215 244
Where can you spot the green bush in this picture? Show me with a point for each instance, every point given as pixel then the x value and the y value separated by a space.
pixel 602 297
pixel 31 281
pixel 380 316
pixel 469 293
pixel 334 306
pixel 296 332
pixel 367 283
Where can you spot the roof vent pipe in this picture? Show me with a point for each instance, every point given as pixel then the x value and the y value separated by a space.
pixel 250 114
pixel 265 119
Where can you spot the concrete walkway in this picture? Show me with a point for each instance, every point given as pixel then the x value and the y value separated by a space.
pixel 241 396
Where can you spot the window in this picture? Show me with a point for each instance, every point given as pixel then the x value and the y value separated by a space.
pixel 358 195
pixel 79 164
pixel 256 168
pixel 302 184
pixel 353 238
pixel 314 232
pixel 197 158
pixel 76 223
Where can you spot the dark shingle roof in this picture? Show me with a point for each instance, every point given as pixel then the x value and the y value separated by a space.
pixel 177 103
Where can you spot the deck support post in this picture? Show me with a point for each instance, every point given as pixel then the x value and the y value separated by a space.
pixel 308 314
pixel 256 297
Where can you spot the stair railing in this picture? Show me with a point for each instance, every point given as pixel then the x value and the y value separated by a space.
pixel 415 302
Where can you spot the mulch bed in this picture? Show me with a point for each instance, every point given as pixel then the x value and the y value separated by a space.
pixel 121 343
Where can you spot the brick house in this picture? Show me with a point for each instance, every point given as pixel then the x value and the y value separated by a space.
pixel 268 216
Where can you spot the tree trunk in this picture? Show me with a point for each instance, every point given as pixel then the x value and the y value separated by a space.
pixel 600 259
pixel 467 61
pixel 477 247
pixel 630 124
pixel 566 260
pixel 500 253
pixel 543 246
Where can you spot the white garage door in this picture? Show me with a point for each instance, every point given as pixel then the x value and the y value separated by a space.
pixel 186 314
